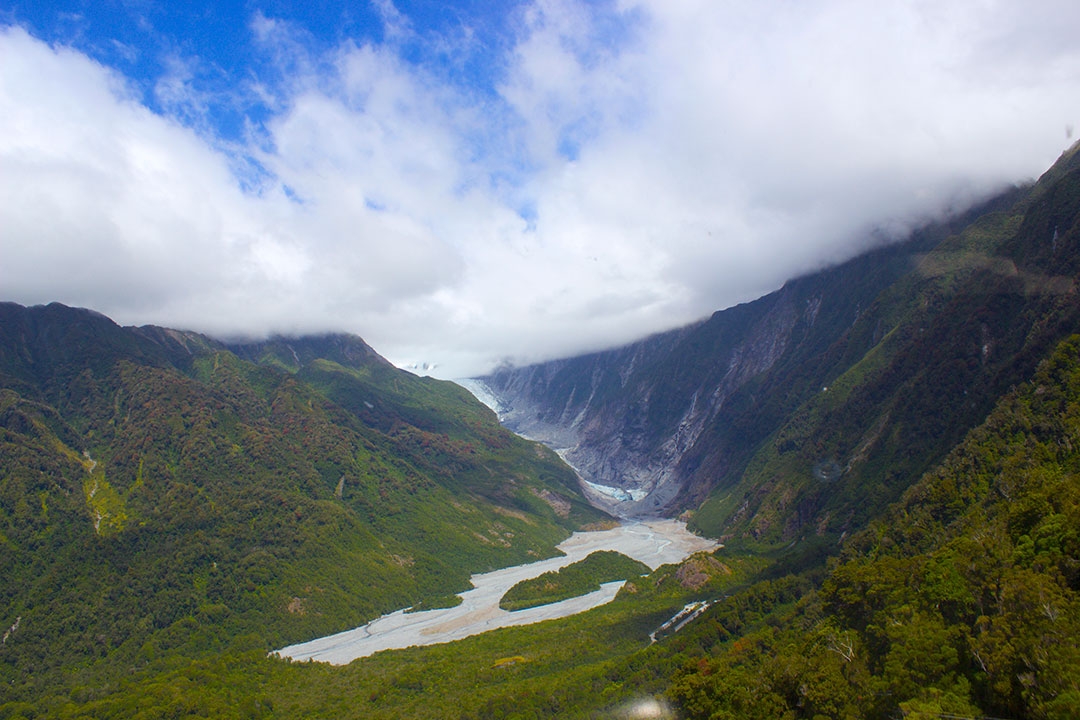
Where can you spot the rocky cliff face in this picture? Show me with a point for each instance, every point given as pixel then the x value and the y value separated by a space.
pixel 628 418
pixel 802 412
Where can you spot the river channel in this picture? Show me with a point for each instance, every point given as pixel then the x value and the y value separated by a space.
pixel 654 542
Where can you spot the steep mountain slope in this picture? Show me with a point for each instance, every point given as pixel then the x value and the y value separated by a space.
pixel 158 493
pixel 963 600
pixel 803 413
pixel 627 417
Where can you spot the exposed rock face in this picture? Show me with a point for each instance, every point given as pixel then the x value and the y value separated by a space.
pixel 637 422
pixel 802 413
pixel 697 570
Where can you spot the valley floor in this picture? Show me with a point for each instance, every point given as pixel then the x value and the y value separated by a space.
pixel 654 543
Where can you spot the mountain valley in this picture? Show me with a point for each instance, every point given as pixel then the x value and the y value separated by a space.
pixel 888 449
pixel 802 414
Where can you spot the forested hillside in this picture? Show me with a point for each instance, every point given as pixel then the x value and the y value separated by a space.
pixel 962 601
pixel 916 370
pixel 162 497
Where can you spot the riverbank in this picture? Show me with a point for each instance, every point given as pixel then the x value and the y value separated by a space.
pixel 655 543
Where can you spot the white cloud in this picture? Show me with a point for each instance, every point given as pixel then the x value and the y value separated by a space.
pixel 669 158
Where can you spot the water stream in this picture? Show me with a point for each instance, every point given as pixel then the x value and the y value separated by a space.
pixel 654 542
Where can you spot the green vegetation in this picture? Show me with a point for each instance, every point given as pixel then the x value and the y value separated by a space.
pixel 963 599
pixel 163 500
pixel 884 395
pixel 563 668
pixel 580 578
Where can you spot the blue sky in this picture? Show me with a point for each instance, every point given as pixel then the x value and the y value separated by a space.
pixel 216 42
pixel 464 183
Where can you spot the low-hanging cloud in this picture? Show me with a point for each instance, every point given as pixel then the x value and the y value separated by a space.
pixel 636 166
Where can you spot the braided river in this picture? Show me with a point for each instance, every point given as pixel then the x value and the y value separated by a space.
pixel 653 542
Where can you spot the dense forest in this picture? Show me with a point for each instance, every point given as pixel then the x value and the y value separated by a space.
pixel 584 576
pixel 963 600
pixel 164 497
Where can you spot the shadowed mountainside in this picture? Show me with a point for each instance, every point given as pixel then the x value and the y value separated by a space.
pixel 805 412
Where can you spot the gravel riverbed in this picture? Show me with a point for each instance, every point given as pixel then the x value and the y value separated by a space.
pixel 655 543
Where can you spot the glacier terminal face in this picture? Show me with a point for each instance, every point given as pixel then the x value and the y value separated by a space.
pixel 619 494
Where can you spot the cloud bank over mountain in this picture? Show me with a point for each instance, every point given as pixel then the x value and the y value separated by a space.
pixel 554 179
